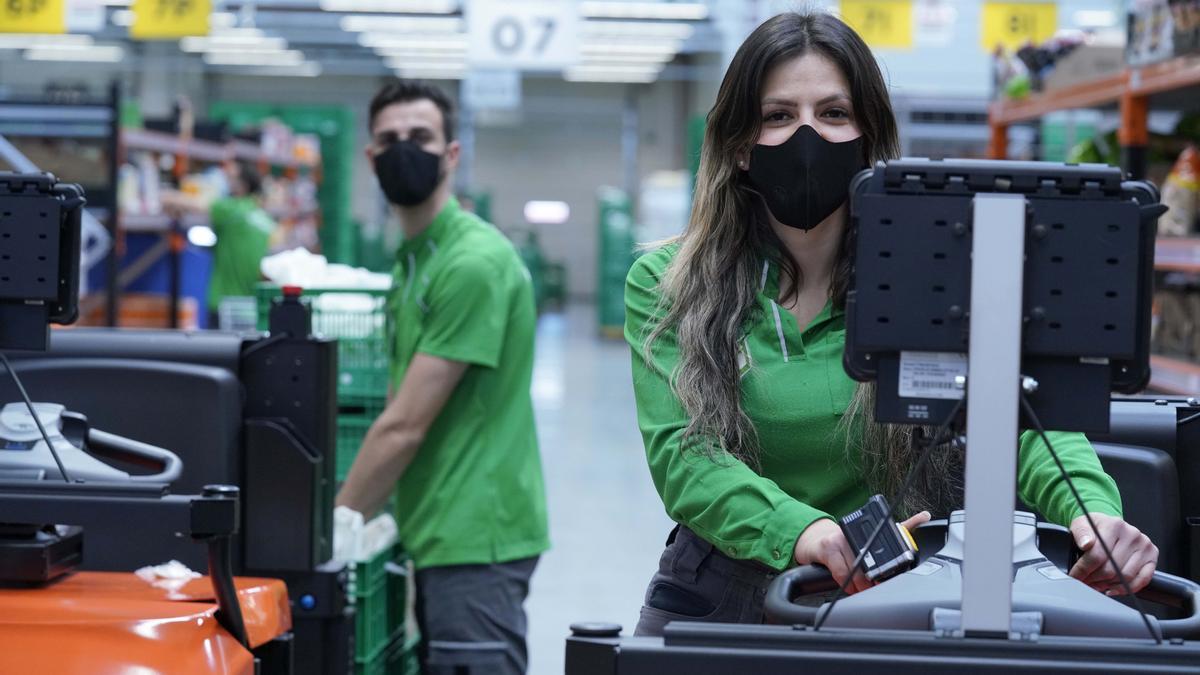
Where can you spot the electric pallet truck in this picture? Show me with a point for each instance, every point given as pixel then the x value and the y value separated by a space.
pixel 988 297
pixel 54 484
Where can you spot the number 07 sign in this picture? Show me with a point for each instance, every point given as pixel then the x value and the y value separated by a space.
pixel 522 34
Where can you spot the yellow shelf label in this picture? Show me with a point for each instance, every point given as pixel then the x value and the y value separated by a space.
pixel 169 19
pixel 33 16
pixel 1012 24
pixel 885 24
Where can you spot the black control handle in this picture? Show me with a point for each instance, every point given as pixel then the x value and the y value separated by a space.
pixel 1169 589
pixel 104 443
pixel 780 606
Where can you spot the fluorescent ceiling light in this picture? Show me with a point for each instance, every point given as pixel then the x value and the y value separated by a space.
pixel 222 20
pixel 431 74
pixel 601 76
pixel 607 9
pixel 640 29
pixel 361 23
pixel 382 41
pixel 547 213
pixel 1094 18
pixel 290 57
pixel 392 6
pixel 400 54
pixel 236 33
pixel 204 44
pixel 618 68
pixel 31 40
pixel 94 53
pixel 425 64
pixel 630 60
pixel 629 48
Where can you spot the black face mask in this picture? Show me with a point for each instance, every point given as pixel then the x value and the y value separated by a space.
pixel 805 178
pixel 407 174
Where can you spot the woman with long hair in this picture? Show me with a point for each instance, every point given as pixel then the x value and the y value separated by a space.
pixel 757 440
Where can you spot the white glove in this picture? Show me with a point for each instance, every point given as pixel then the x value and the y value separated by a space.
pixel 347 534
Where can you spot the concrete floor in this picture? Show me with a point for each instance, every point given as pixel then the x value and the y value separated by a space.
pixel 607 525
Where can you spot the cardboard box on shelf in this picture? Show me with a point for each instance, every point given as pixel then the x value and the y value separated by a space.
pixel 1085 63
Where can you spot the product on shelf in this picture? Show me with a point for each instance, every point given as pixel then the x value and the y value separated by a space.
pixel 1162 29
pixel 1181 195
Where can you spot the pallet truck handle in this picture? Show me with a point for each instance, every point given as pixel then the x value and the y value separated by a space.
pixel 1175 591
pixel 780 607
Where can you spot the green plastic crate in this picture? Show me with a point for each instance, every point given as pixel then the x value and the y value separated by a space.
pixel 358 319
pixel 380 665
pixel 402 658
pixel 371 636
pixel 355 417
pixel 397 571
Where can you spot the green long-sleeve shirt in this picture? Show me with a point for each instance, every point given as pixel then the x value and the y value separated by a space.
pixel 795 391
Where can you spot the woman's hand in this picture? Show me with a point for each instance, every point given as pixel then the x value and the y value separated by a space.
pixel 823 543
pixel 1133 552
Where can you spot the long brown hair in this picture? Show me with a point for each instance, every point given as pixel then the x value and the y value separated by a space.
pixel 709 290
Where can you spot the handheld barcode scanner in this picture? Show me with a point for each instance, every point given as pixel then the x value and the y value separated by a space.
pixel 890 552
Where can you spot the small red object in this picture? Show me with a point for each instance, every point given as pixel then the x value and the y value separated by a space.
pixel 292 291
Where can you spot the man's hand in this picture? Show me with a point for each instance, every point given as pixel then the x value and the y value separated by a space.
pixel 823 542
pixel 1133 552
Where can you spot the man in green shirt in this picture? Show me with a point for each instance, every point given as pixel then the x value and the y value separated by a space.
pixel 243 230
pixel 244 233
pixel 457 440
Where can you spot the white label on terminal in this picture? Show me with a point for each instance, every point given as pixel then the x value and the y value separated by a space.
pixel 932 374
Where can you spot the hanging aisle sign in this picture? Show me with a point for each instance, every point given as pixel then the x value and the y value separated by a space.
pixel 522 34
pixel 1012 24
pixel 169 19
pixel 882 24
pixel 33 16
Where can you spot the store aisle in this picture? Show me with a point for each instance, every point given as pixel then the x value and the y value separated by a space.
pixel 607 524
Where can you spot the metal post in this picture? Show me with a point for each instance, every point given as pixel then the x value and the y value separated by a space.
pixel 997 276
pixel 466 139
pixel 112 263
pixel 629 145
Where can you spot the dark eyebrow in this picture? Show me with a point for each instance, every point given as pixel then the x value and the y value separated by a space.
pixel 792 104
pixel 832 98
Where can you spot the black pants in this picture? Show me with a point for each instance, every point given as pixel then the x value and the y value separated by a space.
pixel 472 618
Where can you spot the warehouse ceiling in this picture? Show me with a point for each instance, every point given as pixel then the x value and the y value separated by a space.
pixel 618 40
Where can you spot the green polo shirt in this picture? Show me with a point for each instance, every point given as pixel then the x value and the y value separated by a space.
pixel 243 232
pixel 795 391
pixel 474 492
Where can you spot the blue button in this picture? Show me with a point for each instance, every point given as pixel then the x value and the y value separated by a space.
pixel 307 602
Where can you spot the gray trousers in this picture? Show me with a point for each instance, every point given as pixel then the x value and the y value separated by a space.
pixel 472 618
pixel 696 582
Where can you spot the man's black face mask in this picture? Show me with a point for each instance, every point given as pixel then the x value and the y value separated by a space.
pixel 407 174
pixel 805 178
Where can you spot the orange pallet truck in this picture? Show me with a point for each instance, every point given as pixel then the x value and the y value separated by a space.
pixel 57 477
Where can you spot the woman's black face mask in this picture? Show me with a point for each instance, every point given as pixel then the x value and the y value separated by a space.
pixel 806 178
pixel 407 174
